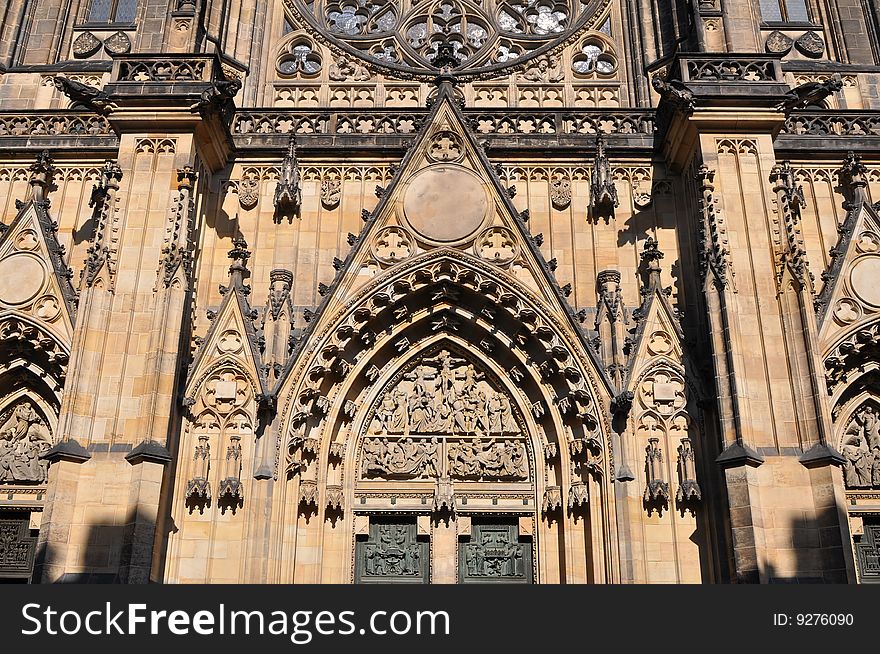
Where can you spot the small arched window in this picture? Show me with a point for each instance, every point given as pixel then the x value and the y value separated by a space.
pixel 112 11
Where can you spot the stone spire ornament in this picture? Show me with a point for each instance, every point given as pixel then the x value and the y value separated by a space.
pixel 603 193
pixel 239 254
pixel 41 172
pixel 651 256
pixel 288 193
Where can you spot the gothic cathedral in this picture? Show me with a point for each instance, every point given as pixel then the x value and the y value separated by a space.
pixel 440 291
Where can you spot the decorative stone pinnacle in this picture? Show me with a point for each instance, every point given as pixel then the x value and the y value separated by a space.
pixel 41 175
pixel 239 254
pixel 651 256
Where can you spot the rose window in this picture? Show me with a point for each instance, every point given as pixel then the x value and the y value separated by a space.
pixel 421 36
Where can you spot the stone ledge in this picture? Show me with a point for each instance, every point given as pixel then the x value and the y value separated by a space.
pixel 69 450
pixel 821 455
pixel 150 451
pixel 739 455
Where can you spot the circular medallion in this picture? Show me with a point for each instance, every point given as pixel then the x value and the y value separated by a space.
pixel 863 278
pixel 446 204
pixel 659 343
pixel 847 311
pixel 21 278
pixel 229 342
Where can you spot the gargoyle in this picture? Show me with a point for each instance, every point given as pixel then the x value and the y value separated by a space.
pixel 218 97
pixel 674 92
pixel 83 96
pixel 811 93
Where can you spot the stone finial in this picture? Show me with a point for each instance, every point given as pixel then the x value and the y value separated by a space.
pixel 41 175
pixel 239 254
pixel 853 177
pixel 651 256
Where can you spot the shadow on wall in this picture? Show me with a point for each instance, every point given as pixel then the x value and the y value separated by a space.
pixel 109 554
pixel 818 551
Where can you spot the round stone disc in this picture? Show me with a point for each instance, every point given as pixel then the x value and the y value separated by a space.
pixel 21 278
pixel 864 278
pixel 446 203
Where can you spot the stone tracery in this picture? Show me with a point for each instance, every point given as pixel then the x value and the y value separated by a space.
pixel 465 34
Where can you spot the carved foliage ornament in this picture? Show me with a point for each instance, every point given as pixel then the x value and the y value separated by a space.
pixel 424 35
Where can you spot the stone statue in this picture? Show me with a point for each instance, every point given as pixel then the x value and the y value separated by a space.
pixel 858 464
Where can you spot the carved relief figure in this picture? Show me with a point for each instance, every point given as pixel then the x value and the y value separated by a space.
pixel 404 458
pixel 346 70
pixel 23 438
pixel 392 551
pixel 444 394
pixel 495 552
pixel 860 447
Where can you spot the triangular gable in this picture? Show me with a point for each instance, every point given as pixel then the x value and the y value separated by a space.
pixel 658 334
pixel 445 194
pixel 34 279
pixel 851 294
pixel 231 337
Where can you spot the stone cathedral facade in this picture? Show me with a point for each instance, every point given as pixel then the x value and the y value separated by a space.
pixel 440 291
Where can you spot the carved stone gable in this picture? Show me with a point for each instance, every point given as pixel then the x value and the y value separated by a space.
pixel 850 295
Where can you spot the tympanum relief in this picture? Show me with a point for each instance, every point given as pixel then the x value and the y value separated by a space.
pixel 443 417
pixel 860 447
pixel 24 436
